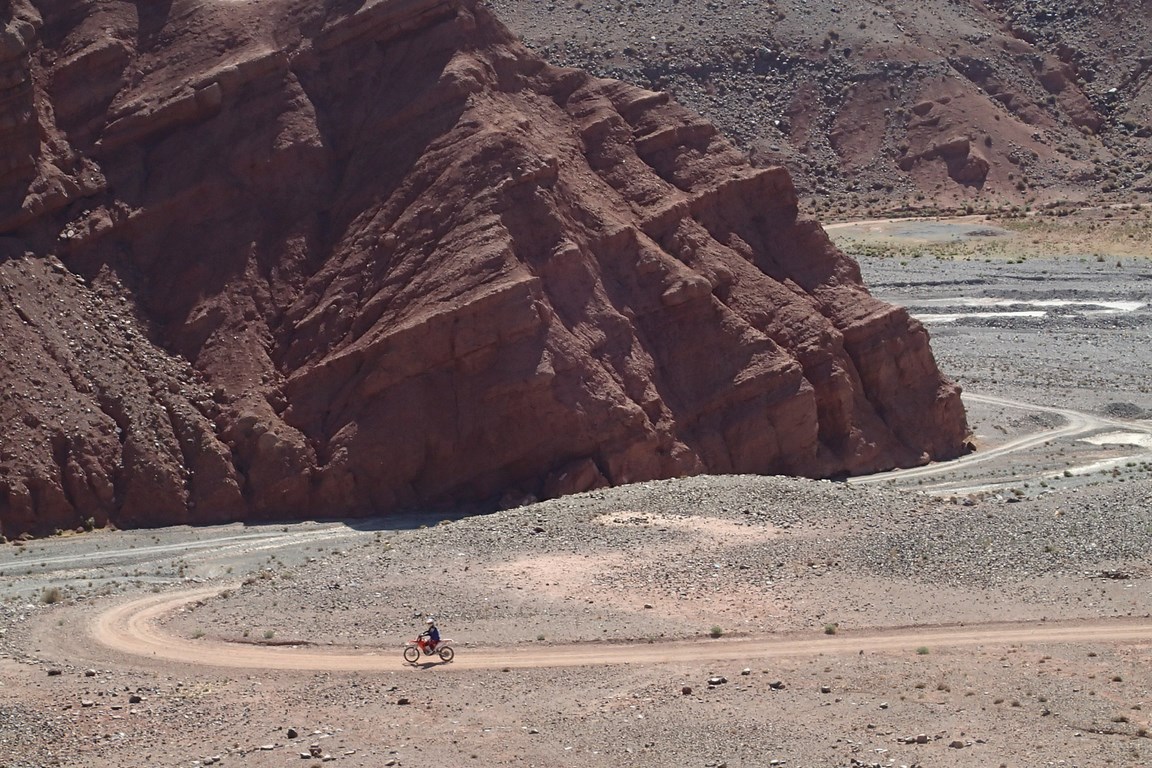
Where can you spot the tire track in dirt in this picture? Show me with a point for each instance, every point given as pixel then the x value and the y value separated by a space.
pixel 134 628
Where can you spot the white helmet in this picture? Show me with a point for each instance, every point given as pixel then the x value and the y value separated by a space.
pixel 430 621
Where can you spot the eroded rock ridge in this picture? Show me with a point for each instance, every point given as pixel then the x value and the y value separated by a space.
pixel 286 259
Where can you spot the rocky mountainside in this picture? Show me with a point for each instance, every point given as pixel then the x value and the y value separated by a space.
pixel 288 258
pixel 931 104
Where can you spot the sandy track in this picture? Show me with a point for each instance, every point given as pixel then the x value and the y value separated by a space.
pixel 134 628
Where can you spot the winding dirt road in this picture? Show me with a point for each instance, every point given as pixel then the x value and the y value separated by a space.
pixel 1077 424
pixel 135 628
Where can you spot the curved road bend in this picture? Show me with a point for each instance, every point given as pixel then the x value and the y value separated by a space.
pixel 133 628
pixel 1076 424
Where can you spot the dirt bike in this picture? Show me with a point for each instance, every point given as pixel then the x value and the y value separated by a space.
pixel 413 649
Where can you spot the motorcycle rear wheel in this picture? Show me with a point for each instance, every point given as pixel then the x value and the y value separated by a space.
pixel 411 654
pixel 446 653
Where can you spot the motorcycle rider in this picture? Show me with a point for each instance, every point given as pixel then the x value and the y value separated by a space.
pixel 430 637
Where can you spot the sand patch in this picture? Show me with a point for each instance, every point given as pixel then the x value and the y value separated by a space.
pixel 729 531
pixel 559 574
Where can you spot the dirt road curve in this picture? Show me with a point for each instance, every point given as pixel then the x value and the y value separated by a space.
pixel 134 628
pixel 1077 424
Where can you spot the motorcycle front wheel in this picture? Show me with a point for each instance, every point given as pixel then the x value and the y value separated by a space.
pixel 411 654
pixel 446 653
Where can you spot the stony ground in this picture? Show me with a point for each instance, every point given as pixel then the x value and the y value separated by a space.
pixel 831 89
pixel 738 557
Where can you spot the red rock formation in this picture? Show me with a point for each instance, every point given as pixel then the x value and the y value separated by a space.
pixel 19 132
pixel 319 259
pixel 965 166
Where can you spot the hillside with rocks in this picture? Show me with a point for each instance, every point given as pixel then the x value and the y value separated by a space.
pixel 298 259
pixel 887 106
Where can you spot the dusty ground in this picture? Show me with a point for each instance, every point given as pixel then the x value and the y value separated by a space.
pixel 996 608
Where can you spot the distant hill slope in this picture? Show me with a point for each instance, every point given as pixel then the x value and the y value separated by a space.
pixel 881 105
pixel 299 259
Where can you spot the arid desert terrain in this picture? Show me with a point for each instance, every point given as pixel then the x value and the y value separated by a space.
pixel 991 611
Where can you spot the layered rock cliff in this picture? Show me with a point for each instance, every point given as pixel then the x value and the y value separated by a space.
pixel 287 259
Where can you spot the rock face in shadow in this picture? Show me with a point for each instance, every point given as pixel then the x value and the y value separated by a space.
pixel 289 259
